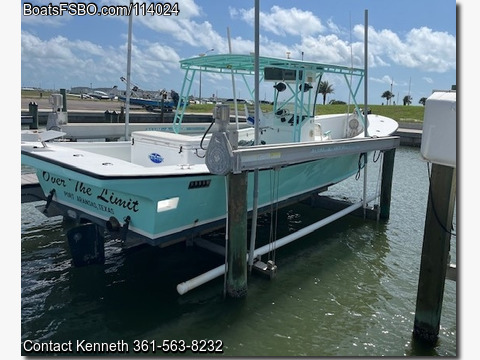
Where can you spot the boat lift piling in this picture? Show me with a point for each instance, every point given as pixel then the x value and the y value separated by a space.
pixel 435 253
pixel 223 158
pixel 236 285
pixel 439 148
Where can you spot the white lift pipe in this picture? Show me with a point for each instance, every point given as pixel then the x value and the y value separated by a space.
pixel 188 285
pixel 129 66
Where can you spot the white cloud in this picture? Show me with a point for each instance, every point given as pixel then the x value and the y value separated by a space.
pixel 427 79
pixel 282 22
pixel 74 59
pixel 423 48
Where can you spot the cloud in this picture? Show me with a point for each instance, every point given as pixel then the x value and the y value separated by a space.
pixel 197 34
pixel 74 59
pixel 422 48
pixel 427 79
pixel 282 22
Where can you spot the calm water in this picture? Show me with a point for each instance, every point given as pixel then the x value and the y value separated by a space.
pixel 348 289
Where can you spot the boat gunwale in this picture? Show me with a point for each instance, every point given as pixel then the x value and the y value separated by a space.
pixel 97 176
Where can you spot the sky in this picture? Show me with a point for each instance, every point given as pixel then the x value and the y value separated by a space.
pixel 412 44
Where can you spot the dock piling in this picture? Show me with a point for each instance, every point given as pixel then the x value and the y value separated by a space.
pixel 64 100
pixel 386 184
pixel 237 235
pixel 33 112
pixel 435 253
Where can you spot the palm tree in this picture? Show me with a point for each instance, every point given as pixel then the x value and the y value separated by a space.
pixel 407 100
pixel 388 95
pixel 324 89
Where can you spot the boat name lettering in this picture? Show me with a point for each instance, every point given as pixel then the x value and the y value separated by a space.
pixel 110 198
pixel 81 188
pixel 53 179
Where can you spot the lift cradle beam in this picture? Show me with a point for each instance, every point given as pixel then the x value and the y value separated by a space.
pixel 266 157
pixel 222 159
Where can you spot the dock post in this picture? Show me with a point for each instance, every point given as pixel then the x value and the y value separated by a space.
pixel 386 187
pixel 237 235
pixel 33 111
pixel 121 117
pixel 108 117
pixel 64 98
pixel 435 253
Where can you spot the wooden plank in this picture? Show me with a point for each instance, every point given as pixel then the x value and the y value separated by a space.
pixel 31 190
pixel 29 179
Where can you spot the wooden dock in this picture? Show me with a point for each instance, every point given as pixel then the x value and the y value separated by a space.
pixel 31 190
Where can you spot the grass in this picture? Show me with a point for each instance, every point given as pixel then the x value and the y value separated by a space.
pixel 400 113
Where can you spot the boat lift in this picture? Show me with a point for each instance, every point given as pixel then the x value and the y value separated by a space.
pixel 224 158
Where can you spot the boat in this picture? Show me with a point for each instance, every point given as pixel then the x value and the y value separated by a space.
pixel 163 99
pixel 99 95
pixel 156 188
pixel 151 104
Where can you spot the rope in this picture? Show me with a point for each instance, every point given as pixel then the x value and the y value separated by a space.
pixel 360 164
pixel 433 205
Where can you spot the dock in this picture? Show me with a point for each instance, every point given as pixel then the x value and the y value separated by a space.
pixel 31 190
pixel 409 136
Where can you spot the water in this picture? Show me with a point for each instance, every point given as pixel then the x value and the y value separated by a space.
pixel 348 289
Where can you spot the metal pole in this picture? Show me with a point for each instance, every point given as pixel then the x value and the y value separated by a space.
pixel 233 81
pixel 200 77
pixel 200 87
pixel 365 111
pixel 253 234
pixel 129 66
